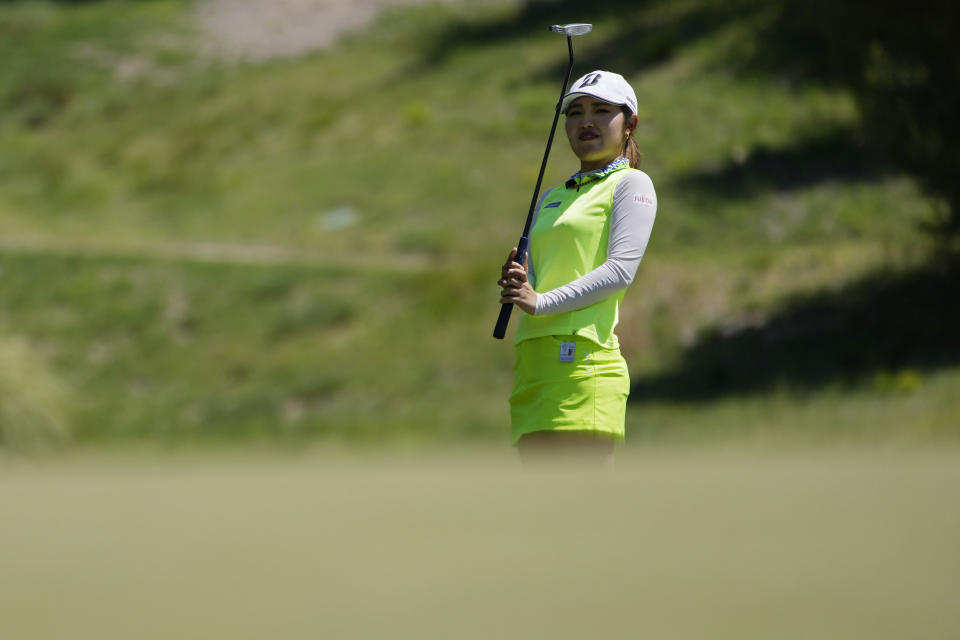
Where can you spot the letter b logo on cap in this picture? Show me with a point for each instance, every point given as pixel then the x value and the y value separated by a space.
pixel 590 79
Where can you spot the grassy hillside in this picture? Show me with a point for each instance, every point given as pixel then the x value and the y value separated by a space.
pixel 193 249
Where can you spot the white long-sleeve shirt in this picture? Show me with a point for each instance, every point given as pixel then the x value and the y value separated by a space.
pixel 631 221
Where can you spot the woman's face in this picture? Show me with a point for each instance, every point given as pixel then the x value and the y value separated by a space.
pixel 597 131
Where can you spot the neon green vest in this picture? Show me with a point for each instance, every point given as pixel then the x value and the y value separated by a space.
pixel 570 240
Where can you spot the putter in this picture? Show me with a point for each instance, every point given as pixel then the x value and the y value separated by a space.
pixel 569 30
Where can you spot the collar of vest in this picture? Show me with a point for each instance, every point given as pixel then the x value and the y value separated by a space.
pixel 579 179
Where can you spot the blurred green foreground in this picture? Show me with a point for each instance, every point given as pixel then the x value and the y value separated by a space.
pixel 856 543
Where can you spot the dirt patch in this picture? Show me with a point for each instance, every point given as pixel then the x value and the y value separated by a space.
pixel 254 30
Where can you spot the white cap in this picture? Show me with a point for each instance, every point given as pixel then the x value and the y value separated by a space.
pixel 605 85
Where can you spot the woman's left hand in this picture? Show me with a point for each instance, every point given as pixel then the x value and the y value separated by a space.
pixel 516 289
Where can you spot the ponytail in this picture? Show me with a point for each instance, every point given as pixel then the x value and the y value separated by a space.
pixel 632 152
pixel 630 149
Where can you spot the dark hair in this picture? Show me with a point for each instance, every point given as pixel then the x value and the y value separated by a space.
pixel 630 149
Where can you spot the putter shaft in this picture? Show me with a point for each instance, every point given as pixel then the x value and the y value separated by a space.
pixel 569 30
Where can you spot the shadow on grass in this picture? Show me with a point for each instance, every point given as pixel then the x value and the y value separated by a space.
pixel 882 325
pixel 640 40
pixel 835 155
pixel 900 61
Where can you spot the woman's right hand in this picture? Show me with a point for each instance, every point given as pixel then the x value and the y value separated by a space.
pixel 516 288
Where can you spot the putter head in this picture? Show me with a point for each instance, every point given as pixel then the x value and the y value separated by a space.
pixel 573 29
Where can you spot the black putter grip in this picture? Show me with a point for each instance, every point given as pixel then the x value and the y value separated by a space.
pixel 507 308
pixel 501 329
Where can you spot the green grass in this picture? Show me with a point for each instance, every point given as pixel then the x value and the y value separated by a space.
pixel 177 349
pixel 195 250
pixel 904 406
pixel 736 544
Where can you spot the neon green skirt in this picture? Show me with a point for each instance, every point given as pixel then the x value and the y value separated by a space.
pixel 568 383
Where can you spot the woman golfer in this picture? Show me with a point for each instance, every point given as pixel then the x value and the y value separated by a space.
pixel 587 239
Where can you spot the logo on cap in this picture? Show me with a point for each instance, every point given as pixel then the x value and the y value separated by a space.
pixel 590 79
